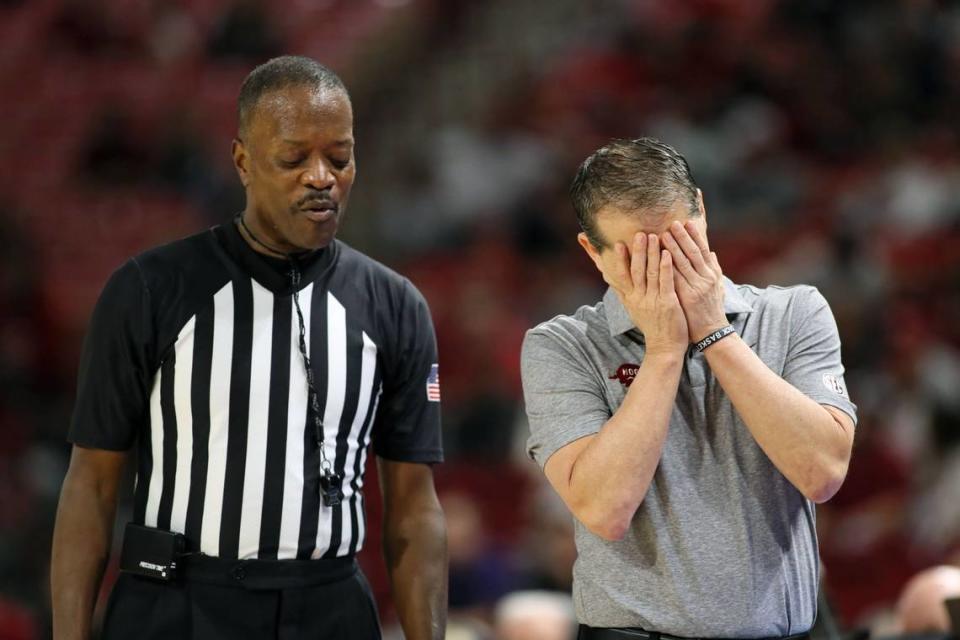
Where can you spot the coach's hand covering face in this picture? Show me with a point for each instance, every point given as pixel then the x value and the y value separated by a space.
pixel 683 403
pixel 669 242
pixel 294 155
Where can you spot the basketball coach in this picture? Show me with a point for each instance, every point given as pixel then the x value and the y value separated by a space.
pixel 251 366
pixel 689 423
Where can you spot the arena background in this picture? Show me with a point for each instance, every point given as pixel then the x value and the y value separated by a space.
pixel 823 134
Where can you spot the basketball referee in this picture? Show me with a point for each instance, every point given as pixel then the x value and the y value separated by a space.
pixel 251 366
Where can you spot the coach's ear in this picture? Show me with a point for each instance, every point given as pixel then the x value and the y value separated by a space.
pixel 240 160
pixel 591 250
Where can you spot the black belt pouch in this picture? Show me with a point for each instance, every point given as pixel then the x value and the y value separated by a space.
pixel 151 552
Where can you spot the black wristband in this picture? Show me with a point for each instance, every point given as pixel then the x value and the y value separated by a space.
pixel 716 336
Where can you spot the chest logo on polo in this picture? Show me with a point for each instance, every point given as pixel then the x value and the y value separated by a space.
pixel 625 373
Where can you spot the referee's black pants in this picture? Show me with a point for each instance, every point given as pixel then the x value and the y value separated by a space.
pixel 255 599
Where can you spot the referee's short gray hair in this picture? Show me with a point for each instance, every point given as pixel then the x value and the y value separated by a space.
pixel 280 73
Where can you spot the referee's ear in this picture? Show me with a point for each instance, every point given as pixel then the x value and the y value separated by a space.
pixel 240 159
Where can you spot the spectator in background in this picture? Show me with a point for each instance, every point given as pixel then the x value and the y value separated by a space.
pixel 479 572
pixel 534 615
pixel 244 33
pixel 174 35
pixel 16 622
pixel 114 153
pixel 549 552
pixel 95 28
pixel 922 608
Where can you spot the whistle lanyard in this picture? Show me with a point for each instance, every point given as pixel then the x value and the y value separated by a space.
pixel 330 481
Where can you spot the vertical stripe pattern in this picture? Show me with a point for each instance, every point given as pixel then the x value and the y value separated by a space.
pixel 276 449
pixel 182 378
pixel 297 400
pixel 351 450
pixel 239 406
pixel 168 451
pixel 200 409
pixel 219 413
pixel 155 483
pixel 256 462
pixel 310 509
pixel 336 397
pixel 231 458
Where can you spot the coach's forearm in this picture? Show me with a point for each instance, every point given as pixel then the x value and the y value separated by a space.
pixel 81 545
pixel 802 439
pixel 415 547
pixel 611 476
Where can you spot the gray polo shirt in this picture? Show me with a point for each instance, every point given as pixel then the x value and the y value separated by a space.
pixel 723 545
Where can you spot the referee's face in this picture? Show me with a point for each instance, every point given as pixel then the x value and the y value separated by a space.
pixel 296 162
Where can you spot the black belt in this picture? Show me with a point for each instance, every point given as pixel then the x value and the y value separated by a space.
pixel 606 633
pixel 265 574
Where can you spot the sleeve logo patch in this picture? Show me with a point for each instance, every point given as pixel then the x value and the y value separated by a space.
pixel 835 384
pixel 433 384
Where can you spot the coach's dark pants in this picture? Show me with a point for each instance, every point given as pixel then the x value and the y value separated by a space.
pixel 217 599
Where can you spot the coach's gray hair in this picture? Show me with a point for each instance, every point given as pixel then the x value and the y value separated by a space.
pixel 281 73
pixel 639 175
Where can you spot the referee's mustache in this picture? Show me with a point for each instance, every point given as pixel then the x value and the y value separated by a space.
pixel 319 199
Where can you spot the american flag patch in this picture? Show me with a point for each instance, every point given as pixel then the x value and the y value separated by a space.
pixel 433 384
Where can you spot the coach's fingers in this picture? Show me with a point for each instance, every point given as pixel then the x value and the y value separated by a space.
pixel 666 274
pixel 716 263
pixel 638 263
pixel 690 247
pixel 620 271
pixel 653 263
pixel 699 238
pixel 682 263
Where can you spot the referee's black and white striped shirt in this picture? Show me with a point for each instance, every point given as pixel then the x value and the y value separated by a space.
pixel 193 354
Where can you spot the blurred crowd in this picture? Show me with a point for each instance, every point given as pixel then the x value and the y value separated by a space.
pixel 825 137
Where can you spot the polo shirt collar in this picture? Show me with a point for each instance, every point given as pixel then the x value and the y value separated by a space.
pixel 619 320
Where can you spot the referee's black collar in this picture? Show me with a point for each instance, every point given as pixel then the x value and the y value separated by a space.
pixel 264 269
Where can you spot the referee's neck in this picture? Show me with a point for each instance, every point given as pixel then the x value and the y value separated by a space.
pixel 256 240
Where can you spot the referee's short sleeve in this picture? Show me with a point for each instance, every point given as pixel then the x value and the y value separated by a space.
pixel 407 427
pixel 564 400
pixel 813 362
pixel 113 380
